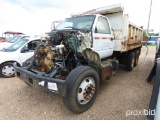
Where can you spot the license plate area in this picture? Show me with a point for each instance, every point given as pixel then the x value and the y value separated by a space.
pixel 52 86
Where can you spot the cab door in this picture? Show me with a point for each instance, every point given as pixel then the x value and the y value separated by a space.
pixel 103 37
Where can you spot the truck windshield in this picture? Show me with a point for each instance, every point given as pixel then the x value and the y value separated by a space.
pixel 16 45
pixel 79 22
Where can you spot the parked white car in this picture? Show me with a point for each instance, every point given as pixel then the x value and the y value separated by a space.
pixel 13 40
pixel 18 52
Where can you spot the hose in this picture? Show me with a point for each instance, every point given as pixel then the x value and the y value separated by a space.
pixel 146 53
pixel 147 50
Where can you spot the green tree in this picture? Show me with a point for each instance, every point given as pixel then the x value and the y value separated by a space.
pixel 150 34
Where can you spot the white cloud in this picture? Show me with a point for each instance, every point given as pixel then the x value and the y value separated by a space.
pixel 32 18
pixel 36 21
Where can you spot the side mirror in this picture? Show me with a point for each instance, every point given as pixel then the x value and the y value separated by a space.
pixel 54 24
pixel 25 49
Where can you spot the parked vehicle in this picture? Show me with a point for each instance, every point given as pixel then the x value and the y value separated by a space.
pixel 2 39
pixel 144 42
pixel 82 51
pixel 154 106
pixel 18 52
pixel 12 40
pixel 9 35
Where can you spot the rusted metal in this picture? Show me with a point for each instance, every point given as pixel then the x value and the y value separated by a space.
pixel 92 56
pixel 105 73
pixel 105 70
pixel 130 47
pixel 134 37
pixel 45 59
pixel 89 92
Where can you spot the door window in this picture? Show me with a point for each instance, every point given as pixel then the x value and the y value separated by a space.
pixel 103 26
pixel 25 37
pixel 32 45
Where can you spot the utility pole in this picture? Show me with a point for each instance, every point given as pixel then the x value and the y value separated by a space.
pixel 150 10
pixel 149 15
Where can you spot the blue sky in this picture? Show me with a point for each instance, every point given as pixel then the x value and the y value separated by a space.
pixel 35 16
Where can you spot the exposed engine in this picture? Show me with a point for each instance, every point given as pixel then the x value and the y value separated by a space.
pixel 45 59
pixel 61 52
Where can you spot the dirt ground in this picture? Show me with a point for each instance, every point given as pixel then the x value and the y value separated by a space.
pixel 123 92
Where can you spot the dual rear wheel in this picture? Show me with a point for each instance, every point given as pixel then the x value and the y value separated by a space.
pixel 132 60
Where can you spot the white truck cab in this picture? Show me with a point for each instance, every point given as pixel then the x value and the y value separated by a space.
pixel 18 52
pixel 111 31
pixel 101 32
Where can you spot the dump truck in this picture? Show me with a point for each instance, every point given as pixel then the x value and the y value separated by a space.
pixel 82 51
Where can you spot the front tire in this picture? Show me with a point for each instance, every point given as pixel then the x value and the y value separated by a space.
pixel 7 70
pixel 82 88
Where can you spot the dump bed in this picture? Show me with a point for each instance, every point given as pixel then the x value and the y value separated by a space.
pixel 127 36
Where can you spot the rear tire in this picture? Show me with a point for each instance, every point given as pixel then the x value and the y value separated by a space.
pixel 82 88
pixel 7 70
pixel 136 58
pixel 130 61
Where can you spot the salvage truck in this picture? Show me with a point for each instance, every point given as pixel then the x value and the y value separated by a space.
pixel 82 51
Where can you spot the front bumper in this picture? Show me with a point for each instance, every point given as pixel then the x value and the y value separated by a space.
pixel 38 80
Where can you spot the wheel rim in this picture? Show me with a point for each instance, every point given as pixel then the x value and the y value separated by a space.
pixel 8 70
pixel 86 90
